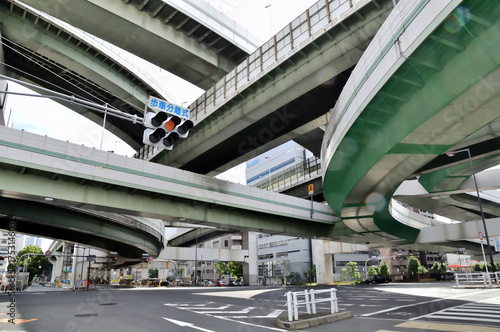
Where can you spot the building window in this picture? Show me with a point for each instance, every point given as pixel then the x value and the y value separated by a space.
pixel 226 243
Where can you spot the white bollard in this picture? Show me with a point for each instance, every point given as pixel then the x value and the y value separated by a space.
pixel 313 300
pixel 289 306
pixel 333 296
pixel 308 302
pixel 295 307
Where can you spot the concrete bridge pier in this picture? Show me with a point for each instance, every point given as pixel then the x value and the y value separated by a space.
pixel 250 268
pixel 324 263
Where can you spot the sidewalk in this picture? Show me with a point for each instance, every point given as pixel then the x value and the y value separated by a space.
pixel 37 288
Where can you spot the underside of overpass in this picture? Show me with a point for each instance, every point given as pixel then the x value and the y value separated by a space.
pixel 41 52
pixel 290 101
pixel 103 231
pixel 179 40
pixel 438 97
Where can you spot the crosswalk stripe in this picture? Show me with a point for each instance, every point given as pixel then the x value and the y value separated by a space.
pixel 479 319
pixel 496 311
pixel 451 313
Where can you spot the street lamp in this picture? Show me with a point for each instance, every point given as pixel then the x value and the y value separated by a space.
pixel 270 20
pixel 451 154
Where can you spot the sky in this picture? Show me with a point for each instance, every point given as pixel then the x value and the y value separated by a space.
pixel 262 18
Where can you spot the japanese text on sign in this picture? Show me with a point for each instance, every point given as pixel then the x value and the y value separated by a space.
pixel 165 106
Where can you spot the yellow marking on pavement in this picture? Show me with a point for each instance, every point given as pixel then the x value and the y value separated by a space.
pixel 446 327
pixel 17 321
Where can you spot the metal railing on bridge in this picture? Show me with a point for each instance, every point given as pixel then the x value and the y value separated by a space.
pixel 302 31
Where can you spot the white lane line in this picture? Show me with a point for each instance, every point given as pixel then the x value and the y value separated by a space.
pixel 196 307
pixel 186 324
pixel 244 311
pixel 273 314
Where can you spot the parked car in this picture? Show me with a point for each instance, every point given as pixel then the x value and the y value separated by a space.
pixel 235 283
pixel 221 284
pixel 377 279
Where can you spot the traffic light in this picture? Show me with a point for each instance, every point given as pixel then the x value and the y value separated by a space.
pixel 167 125
pixel 184 127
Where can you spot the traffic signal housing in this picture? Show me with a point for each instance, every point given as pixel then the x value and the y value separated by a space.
pixel 164 129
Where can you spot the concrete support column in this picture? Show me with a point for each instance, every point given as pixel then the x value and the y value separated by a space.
pixel 323 262
pixel 250 268
pixel 57 267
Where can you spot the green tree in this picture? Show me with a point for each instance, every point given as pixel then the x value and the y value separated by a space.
pixel 352 271
pixel 439 268
pixel 422 270
pixel 477 267
pixel 236 270
pixel 153 273
pixel 384 269
pixel 372 271
pixel 35 263
pixel 221 268
pixel 413 265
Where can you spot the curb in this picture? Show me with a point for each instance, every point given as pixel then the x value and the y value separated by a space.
pixel 309 322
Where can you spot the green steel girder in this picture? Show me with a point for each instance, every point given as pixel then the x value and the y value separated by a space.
pixel 453 72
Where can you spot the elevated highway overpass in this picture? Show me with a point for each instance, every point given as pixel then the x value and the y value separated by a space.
pixel 50 174
pixel 282 91
pixel 53 54
pixel 189 39
pixel 427 84
pixel 396 116
pixel 35 48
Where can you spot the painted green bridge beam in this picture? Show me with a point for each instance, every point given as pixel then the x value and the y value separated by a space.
pixel 410 99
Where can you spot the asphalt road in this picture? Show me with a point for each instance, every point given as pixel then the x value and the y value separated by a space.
pixel 384 307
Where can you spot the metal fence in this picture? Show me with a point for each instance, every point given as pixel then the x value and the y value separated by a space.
pixel 311 24
pixel 470 279
pixel 309 301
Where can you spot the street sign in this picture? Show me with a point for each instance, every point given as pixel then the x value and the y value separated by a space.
pixel 165 106
pixel 47 253
pixel 150 258
pixel 497 244
pixel 311 189
pixel 480 234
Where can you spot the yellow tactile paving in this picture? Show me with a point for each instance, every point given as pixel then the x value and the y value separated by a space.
pixel 446 327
